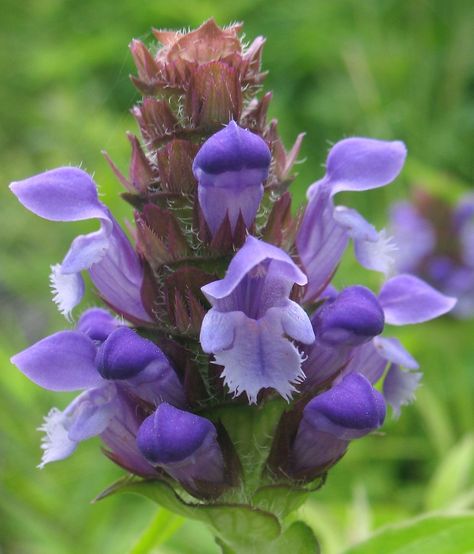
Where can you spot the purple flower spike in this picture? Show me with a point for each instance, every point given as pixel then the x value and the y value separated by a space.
pixel 347 411
pixel 231 167
pixel 248 327
pixel 355 164
pixel 69 194
pixel 97 324
pixel 348 320
pixel 125 354
pixel 183 444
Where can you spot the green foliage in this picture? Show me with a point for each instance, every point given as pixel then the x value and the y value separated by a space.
pixel 390 69
pixel 436 534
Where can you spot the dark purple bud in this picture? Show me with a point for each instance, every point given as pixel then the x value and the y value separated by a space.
pixel 183 444
pixel 349 410
pixel 125 354
pixel 230 168
pixel 353 317
pixel 342 324
pixel 97 324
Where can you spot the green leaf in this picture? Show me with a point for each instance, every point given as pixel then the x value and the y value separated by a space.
pixel 435 534
pixel 234 523
pixel 452 475
pixel 297 538
pixel 279 499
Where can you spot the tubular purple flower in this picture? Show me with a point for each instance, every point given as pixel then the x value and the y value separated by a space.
pixel 183 444
pixel 252 319
pixel 69 194
pixel 78 360
pixel 349 410
pixel 343 323
pixel 231 167
pixel 354 164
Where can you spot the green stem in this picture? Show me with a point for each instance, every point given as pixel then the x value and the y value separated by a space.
pixel 161 528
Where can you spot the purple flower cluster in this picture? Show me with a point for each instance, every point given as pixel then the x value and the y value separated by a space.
pixel 443 252
pixel 226 298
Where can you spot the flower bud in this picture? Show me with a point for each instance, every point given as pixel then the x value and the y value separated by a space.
pixel 342 324
pixel 349 410
pixel 125 354
pixel 230 168
pixel 353 317
pixel 183 444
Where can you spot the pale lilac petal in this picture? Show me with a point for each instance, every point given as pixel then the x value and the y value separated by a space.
pixel 56 444
pixel 294 321
pixel 64 361
pixel 68 289
pixel 392 350
pixel 357 226
pixel 407 299
pixel 357 164
pixel 399 387
pixel 217 330
pixel 91 412
pixel 367 360
pixel 260 357
pixel 87 416
pixel 374 250
pixel 378 255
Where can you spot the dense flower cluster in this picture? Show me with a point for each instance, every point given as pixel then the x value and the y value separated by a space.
pixel 443 252
pixel 223 302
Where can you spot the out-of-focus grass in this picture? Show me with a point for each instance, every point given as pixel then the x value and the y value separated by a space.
pixel 389 69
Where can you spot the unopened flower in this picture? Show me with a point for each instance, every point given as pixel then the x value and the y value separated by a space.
pixel 183 444
pixel 347 411
pixel 231 167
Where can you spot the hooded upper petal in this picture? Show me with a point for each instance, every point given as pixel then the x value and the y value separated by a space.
pixel 64 361
pixel 231 167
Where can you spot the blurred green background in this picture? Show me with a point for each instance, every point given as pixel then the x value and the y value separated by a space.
pixel 383 68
